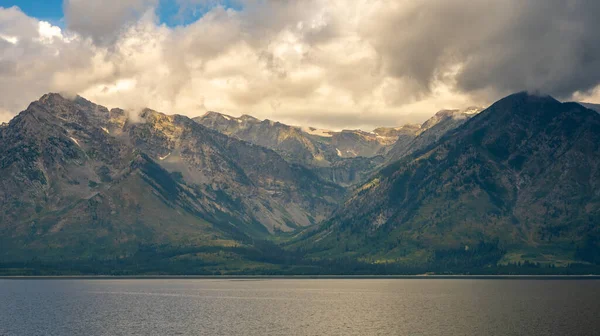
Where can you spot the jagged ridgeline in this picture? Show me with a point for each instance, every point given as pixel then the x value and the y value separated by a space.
pixel 91 190
pixel 79 181
pixel 346 157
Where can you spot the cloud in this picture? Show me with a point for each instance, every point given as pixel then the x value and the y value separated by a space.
pixel 33 54
pixel 498 46
pixel 549 46
pixel 5 116
pixel 104 20
pixel 335 63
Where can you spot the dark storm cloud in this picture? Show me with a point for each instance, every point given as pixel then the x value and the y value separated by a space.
pixel 551 46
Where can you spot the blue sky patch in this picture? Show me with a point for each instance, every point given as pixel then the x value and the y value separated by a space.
pixel 169 11
pixel 47 10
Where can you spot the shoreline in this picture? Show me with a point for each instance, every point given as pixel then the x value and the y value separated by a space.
pixel 304 277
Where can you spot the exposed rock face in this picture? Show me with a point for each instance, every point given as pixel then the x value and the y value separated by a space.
pixel 306 145
pixel 523 176
pixel 277 194
pixel 72 172
pixel 291 142
pixel 344 158
pixel 395 132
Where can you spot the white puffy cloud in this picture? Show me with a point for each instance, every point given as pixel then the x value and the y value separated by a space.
pixel 327 63
pixel 31 53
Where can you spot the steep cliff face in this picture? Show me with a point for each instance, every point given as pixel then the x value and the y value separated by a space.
pixel 521 178
pixel 78 179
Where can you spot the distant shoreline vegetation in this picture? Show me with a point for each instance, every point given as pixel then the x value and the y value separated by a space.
pixel 273 261
pixel 304 277
pixel 265 258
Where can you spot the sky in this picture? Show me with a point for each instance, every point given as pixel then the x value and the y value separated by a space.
pixel 325 63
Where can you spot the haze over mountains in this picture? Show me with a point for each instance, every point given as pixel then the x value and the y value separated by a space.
pixel 83 184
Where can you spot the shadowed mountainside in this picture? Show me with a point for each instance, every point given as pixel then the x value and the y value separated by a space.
pixel 518 182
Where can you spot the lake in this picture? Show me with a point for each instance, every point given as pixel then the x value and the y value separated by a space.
pixel 299 307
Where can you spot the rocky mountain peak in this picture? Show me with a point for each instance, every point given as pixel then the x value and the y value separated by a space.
pixel 78 109
pixel 52 98
pixel 416 137
pixel 212 115
pixel 248 118
pixel 524 103
pixel 456 114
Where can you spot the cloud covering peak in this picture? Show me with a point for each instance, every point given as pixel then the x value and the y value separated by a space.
pixel 334 63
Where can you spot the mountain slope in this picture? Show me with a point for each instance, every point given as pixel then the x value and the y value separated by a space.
pixel 595 107
pixel 291 142
pixel 429 132
pixel 68 190
pixel 261 184
pixel 80 181
pixel 519 181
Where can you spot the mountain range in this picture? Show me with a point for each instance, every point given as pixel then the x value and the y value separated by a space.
pixel 92 190
pixel 344 157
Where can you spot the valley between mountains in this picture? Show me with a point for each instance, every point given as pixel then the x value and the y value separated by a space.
pixel 510 189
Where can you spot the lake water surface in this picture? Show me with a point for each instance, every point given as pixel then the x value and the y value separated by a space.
pixel 300 307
